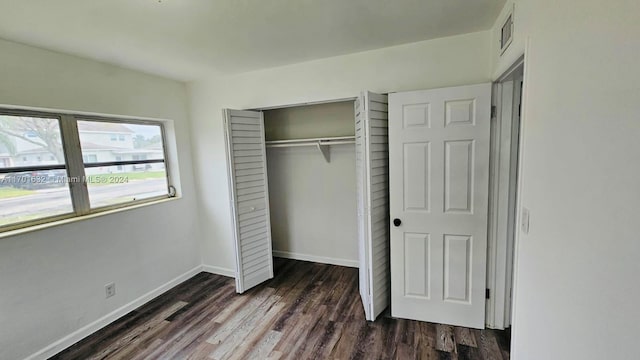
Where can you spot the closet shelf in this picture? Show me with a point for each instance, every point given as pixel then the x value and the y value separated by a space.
pixel 321 143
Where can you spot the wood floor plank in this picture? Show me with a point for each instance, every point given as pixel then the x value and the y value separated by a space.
pixel 249 332
pixel 135 333
pixel 445 338
pixel 307 337
pixel 464 336
pixel 308 311
pixel 264 347
pixel 243 305
pixel 140 343
pixel 275 355
pixel 145 353
pixel 291 332
pixel 192 326
pixel 425 334
pixel 468 352
pixel 328 340
pixel 388 339
pixel 202 351
pixel 230 322
pixel 183 350
pixel 488 345
pixel 363 342
pixel 290 345
pixel 345 345
pixel 404 352
pixel 425 341
pixel 192 334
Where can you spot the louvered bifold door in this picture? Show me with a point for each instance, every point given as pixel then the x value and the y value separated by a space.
pixel 372 164
pixel 362 218
pixel 248 185
pixel 377 165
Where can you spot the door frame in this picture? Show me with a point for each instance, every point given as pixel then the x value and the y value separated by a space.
pixel 501 274
pixel 361 97
pixel 307 103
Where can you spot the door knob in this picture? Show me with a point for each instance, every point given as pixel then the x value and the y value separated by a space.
pixel 397 222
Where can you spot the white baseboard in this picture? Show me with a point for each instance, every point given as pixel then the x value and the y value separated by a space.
pixel 219 270
pixel 91 328
pixel 318 259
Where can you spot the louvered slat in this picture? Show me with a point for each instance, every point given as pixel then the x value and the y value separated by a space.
pixel 258 189
pixel 245 127
pixel 257 171
pixel 246 184
pixel 246 133
pixel 247 159
pixel 239 146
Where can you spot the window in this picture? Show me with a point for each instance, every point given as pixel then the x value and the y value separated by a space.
pixel 120 137
pixel 117 180
pixel 33 191
pixel 21 195
pixel 89 158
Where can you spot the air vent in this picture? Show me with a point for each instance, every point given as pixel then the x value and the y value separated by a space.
pixel 506 32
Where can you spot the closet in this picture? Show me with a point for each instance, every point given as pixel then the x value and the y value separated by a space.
pixel 310 182
pixel 323 182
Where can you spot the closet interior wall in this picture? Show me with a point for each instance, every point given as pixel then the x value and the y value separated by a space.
pixel 312 200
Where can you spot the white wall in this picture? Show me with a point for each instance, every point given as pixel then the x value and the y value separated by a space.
pixel 448 61
pixel 53 280
pixel 577 291
pixel 313 203
pixel 309 121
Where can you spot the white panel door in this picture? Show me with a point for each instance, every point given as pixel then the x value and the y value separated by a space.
pixel 372 167
pixel 439 173
pixel 248 185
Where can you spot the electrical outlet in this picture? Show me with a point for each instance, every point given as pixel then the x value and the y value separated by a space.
pixel 524 220
pixel 110 290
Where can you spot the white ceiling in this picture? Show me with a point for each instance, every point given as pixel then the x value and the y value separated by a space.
pixel 184 39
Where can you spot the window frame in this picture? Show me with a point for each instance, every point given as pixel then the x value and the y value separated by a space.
pixel 74 164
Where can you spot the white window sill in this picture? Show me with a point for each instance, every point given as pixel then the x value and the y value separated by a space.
pixel 73 219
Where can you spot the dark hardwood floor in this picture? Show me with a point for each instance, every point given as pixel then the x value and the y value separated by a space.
pixel 308 311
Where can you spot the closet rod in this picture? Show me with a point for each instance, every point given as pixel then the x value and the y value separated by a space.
pixel 321 143
pixel 314 141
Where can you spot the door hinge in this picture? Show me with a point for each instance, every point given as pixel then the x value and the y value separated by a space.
pixel 487 294
pixel 494 111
